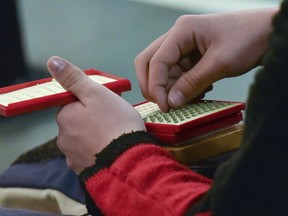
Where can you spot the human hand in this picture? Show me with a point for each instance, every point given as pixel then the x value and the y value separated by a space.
pixel 90 124
pixel 199 50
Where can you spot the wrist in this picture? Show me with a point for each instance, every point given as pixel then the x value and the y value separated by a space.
pixel 118 146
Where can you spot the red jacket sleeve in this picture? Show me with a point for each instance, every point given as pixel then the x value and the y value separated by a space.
pixel 144 180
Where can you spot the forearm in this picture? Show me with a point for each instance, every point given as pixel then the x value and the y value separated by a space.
pixel 145 179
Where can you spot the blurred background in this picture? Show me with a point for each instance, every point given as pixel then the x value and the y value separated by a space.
pixel 101 34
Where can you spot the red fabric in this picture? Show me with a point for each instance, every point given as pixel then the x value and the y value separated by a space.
pixel 146 180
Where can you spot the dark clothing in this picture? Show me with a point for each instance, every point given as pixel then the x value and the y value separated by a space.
pixel 12 59
pixel 253 182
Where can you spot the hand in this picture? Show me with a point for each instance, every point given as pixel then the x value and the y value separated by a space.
pixel 199 50
pixel 90 124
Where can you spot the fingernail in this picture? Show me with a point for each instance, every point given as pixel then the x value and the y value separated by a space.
pixel 176 97
pixel 57 65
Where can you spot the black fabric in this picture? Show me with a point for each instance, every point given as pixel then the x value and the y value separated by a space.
pixel 118 146
pixel 40 153
pixel 254 181
pixel 12 59
pixel 92 209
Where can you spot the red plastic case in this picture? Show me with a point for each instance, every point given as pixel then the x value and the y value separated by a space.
pixel 198 119
pixel 118 86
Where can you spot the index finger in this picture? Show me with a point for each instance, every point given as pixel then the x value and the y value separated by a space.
pixel 176 45
pixel 142 65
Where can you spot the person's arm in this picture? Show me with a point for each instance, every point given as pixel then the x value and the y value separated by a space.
pixel 199 50
pixel 131 175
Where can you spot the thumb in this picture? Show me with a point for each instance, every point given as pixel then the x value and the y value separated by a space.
pixel 71 77
pixel 194 82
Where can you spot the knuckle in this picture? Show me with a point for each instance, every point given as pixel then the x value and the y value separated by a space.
pixel 153 62
pixel 184 20
pixel 157 64
pixel 66 114
pixel 191 85
pixel 70 164
pixel 71 79
pixel 146 94
pixel 138 60
pixel 60 143
pixel 60 116
pixel 191 81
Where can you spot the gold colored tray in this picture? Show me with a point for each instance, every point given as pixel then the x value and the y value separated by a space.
pixel 210 146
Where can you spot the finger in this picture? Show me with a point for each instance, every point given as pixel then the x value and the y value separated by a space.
pixel 71 78
pixel 176 45
pixel 196 81
pixel 142 65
